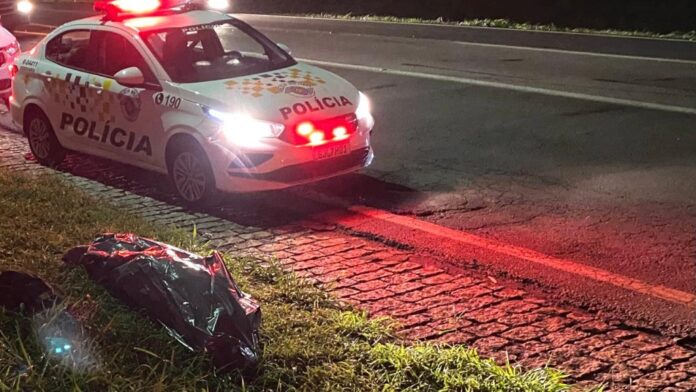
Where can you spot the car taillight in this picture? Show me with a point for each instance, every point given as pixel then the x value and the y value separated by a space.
pixel 13 70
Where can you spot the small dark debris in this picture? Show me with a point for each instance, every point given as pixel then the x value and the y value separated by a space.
pixel 24 292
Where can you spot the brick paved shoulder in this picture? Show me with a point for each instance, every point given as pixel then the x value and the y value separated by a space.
pixel 499 319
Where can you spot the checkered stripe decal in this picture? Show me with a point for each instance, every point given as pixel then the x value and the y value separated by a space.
pixel 74 93
pixel 275 82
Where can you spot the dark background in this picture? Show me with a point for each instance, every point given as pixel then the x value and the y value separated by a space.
pixel 654 15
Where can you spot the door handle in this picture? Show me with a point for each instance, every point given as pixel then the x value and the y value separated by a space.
pixel 98 86
pixel 47 75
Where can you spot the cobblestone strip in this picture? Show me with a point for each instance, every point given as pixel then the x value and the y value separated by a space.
pixel 500 320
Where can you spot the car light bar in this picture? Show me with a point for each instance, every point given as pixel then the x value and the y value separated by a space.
pixel 319 132
pixel 135 7
pixel 113 9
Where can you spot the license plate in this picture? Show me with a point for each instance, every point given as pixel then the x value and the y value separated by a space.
pixel 330 151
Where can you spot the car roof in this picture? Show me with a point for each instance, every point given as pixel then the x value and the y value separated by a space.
pixel 155 22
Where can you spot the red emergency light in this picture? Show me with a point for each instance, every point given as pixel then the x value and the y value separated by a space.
pixel 135 7
pixel 13 70
pixel 113 9
pixel 322 131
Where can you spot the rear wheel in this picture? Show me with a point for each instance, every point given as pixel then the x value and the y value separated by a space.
pixel 42 140
pixel 192 175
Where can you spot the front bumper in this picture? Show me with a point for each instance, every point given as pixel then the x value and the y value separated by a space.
pixel 310 171
pixel 279 165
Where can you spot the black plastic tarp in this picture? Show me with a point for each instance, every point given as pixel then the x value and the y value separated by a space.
pixel 194 297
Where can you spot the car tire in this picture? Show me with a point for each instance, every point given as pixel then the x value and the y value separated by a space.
pixel 191 174
pixel 42 139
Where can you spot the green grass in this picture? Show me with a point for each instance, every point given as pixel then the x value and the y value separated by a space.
pixel 311 343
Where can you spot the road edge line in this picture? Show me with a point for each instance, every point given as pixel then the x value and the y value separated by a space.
pixel 512 87
pixel 518 252
pixel 597 274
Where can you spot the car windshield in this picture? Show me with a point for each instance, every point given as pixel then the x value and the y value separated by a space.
pixel 214 51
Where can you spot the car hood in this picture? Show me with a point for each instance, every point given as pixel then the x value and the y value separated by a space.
pixel 284 96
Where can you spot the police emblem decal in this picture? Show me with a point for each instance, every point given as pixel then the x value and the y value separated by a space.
pixel 129 99
pixel 298 90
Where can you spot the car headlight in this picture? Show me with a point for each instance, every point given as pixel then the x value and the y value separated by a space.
pixel 219 5
pixel 242 128
pixel 25 6
pixel 364 108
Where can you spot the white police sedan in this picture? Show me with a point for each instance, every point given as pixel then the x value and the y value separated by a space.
pixel 190 92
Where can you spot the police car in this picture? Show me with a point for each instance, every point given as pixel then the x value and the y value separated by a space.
pixel 190 92
pixel 9 50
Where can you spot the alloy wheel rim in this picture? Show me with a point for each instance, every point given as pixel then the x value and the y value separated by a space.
pixel 189 176
pixel 39 138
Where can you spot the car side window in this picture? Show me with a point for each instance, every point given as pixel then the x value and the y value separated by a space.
pixel 70 49
pixel 116 53
pixel 98 52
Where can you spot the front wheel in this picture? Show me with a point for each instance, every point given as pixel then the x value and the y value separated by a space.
pixel 192 176
pixel 42 140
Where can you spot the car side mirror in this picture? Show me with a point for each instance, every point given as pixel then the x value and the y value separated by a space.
pixel 130 77
pixel 285 48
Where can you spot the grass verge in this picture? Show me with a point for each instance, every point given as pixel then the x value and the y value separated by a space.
pixel 311 343
pixel 484 22
pixel 508 24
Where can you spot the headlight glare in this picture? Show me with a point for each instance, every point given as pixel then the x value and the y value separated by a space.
pixel 218 4
pixel 242 128
pixel 364 108
pixel 25 6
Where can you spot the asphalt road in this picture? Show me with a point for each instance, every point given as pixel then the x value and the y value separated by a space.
pixel 581 148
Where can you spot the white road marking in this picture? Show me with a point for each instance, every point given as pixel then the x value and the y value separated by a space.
pixel 504 86
pixel 503 46
pixel 46 26
pixel 580 53
pixel 30 33
pixel 512 87
pixel 511 47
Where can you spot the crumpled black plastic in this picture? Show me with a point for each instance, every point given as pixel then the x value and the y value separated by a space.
pixel 194 297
